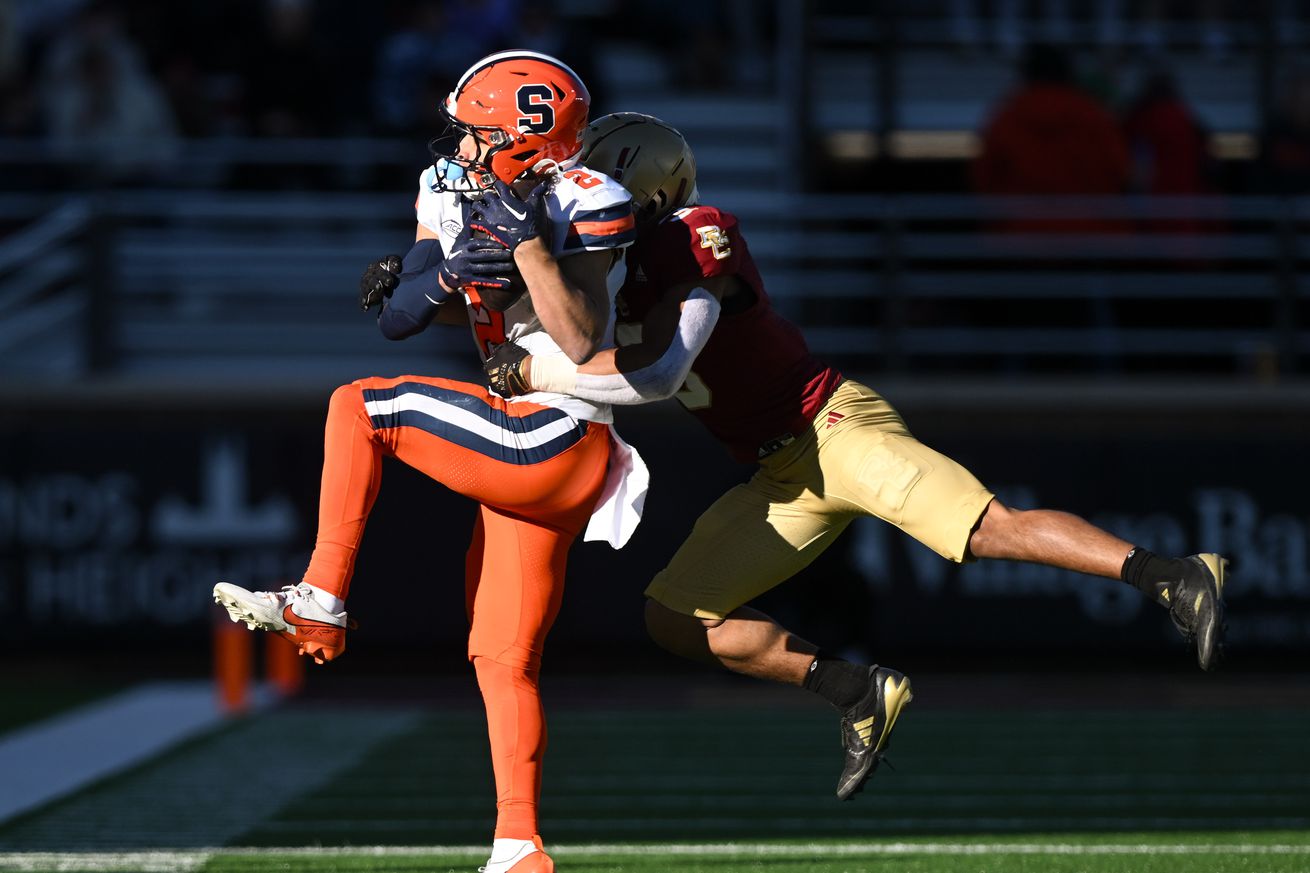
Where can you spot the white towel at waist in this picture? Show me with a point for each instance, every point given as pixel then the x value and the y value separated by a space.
pixel 618 511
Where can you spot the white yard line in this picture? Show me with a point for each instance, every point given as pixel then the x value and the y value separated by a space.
pixel 55 757
pixel 30 862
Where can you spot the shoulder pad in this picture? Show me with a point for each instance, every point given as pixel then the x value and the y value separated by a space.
pixel 700 215
pixel 584 190
pixel 592 210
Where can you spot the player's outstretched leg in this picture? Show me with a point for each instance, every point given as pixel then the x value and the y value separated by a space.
pixel 312 614
pixel 293 613
pixel 866 727
pixel 1191 588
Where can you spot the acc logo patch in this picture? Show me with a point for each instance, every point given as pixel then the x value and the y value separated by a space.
pixel 450 227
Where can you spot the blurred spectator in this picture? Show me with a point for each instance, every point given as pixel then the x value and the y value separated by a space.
pixel 1288 20
pixel 413 65
pixel 483 27
pixel 37 21
pixel 99 102
pixel 11 46
pixel 1166 141
pixel 1170 153
pixel 691 37
pixel 421 61
pixel 18 109
pixel 573 42
pixel 290 74
pixel 1285 145
pixel 188 95
pixel 1050 137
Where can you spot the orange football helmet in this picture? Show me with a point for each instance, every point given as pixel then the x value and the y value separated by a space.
pixel 526 109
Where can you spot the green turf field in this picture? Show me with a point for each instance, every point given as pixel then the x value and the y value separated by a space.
pixel 1220 852
pixel 708 789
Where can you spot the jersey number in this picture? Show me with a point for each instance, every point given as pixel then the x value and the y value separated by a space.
pixel 534 102
pixel 695 394
pixel 582 178
pixel 488 328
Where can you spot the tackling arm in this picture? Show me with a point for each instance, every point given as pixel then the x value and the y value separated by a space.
pixel 673 334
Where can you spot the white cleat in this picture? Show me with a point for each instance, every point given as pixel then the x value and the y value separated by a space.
pixel 518 856
pixel 292 613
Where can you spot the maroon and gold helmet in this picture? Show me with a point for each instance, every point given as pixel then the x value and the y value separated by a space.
pixel 648 157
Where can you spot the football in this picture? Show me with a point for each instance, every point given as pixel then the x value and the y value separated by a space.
pixel 494 298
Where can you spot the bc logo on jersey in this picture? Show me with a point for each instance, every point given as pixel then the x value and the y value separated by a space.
pixel 713 238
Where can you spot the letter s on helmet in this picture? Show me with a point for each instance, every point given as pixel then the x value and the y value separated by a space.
pixel 645 155
pixel 529 108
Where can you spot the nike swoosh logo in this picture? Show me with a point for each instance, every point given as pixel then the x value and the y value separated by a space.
pixel 510 209
pixel 290 617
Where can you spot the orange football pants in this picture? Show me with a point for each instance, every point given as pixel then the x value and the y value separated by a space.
pixel 537 474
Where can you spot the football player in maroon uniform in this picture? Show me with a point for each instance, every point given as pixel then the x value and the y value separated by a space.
pixel 699 327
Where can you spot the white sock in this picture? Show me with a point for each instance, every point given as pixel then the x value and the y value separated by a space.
pixel 504 849
pixel 330 602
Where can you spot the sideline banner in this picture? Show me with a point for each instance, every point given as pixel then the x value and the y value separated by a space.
pixel 116 531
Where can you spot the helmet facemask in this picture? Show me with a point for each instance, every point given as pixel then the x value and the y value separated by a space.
pixel 466 175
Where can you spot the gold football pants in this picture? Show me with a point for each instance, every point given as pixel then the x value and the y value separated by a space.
pixel 856 459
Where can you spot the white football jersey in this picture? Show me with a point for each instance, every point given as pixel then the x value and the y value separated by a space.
pixel 588 211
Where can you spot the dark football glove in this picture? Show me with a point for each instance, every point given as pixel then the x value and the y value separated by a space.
pixel 482 263
pixel 504 370
pixel 510 219
pixel 380 278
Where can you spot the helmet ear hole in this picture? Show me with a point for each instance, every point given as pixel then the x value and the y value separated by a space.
pixel 654 206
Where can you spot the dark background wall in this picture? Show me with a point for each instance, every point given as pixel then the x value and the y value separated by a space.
pixel 113 528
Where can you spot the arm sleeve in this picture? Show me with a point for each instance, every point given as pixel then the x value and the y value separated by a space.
pixel 660 380
pixel 411 306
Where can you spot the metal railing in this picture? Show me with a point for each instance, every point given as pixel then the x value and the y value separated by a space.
pixel 234 284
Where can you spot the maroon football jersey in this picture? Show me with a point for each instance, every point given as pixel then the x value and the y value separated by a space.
pixel 755 385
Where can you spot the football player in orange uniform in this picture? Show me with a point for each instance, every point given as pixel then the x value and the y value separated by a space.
pixel 508 211
pixel 701 328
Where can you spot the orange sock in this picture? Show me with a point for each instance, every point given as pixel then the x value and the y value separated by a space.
pixel 516 726
pixel 352 475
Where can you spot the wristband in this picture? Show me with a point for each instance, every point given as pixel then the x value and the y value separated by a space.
pixel 554 373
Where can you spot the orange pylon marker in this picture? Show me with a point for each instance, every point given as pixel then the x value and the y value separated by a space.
pixel 283 666
pixel 233 663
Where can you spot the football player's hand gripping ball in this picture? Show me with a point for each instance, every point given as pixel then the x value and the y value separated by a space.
pixel 380 278
pixel 504 370
pixel 511 219
pixel 484 264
